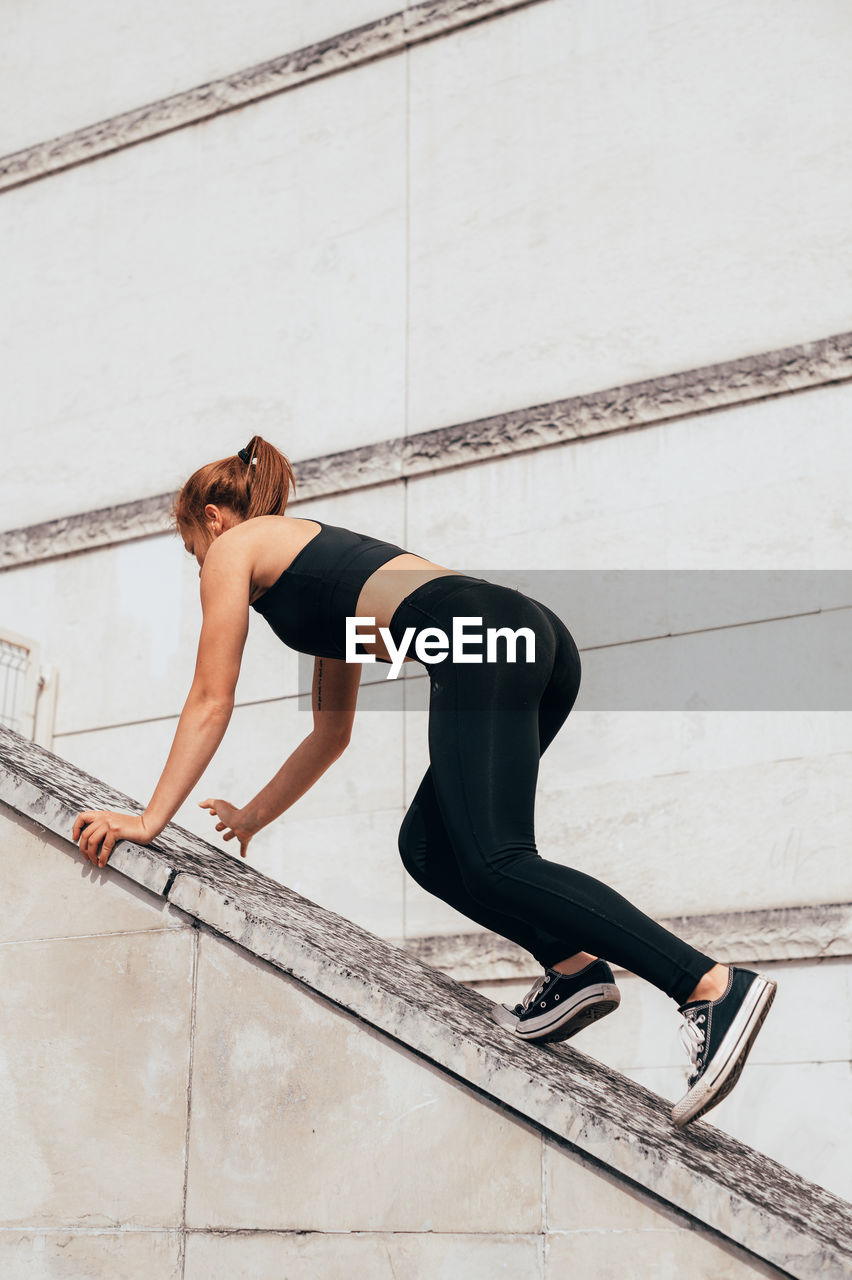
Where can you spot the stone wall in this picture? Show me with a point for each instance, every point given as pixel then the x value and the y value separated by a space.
pixel 650 799
pixel 589 301
pixel 214 1077
pixel 560 199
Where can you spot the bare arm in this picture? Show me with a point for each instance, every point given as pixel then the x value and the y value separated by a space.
pixel 297 775
pixel 225 582
pixel 334 695
pixel 200 729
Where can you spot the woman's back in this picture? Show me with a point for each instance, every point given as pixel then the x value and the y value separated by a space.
pixel 307 604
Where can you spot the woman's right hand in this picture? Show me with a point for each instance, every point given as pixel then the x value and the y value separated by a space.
pixel 99 830
pixel 232 821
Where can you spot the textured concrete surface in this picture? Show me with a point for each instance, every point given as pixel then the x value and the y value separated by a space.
pixel 154 53
pixel 751 1200
pixel 592 186
pixel 794 1101
pixel 388 35
pixel 362 1135
pixel 652 1255
pixel 783 933
pixel 634 834
pixel 95 1060
pixel 687 843
pixel 726 488
pixel 650 1235
pixel 30 1254
pixel 640 404
pixel 49 895
pixel 240 200
pixel 365 1256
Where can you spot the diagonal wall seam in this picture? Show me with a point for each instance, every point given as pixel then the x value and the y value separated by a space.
pixel 709 388
pixel 393 34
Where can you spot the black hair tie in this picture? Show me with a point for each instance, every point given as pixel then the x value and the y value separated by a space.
pixel 245 455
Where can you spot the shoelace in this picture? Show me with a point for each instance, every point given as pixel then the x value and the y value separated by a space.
pixel 534 991
pixel 692 1038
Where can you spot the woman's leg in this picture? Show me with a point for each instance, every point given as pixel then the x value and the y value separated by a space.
pixel 484 748
pixel 426 849
pixel 428 857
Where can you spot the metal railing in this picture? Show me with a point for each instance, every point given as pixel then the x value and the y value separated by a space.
pixel 27 694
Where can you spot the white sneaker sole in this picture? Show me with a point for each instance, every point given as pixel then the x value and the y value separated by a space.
pixel 723 1069
pixel 567 1019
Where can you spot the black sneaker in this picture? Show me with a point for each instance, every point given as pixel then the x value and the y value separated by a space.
pixel 718 1035
pixel 558 1005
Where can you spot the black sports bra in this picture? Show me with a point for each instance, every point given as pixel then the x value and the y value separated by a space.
pixel 307 606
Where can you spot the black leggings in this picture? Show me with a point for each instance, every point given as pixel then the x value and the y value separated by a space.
pixel 468 835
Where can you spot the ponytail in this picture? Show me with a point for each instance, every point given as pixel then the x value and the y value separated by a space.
pixel 254 482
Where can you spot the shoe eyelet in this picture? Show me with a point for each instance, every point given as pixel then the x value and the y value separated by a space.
pixel 701 1018
pixel 543 1004
pixel 556 997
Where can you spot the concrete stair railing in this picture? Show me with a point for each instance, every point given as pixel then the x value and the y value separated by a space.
pixel 751 1200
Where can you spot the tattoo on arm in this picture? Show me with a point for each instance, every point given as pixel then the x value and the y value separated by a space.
pixel 319 685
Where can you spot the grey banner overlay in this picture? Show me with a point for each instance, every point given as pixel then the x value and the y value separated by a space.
pixel 671 640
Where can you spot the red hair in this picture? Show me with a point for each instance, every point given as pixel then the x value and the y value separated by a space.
pixel 259 487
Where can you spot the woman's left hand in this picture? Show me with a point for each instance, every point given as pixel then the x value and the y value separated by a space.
pixel 99 830
pixel 232 821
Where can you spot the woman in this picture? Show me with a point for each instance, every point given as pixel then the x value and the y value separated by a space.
pixel 468 834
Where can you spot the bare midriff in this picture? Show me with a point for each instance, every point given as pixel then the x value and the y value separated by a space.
pixel 386 588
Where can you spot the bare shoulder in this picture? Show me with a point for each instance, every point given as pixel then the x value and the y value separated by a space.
pixel 266 545
pixel 263 530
